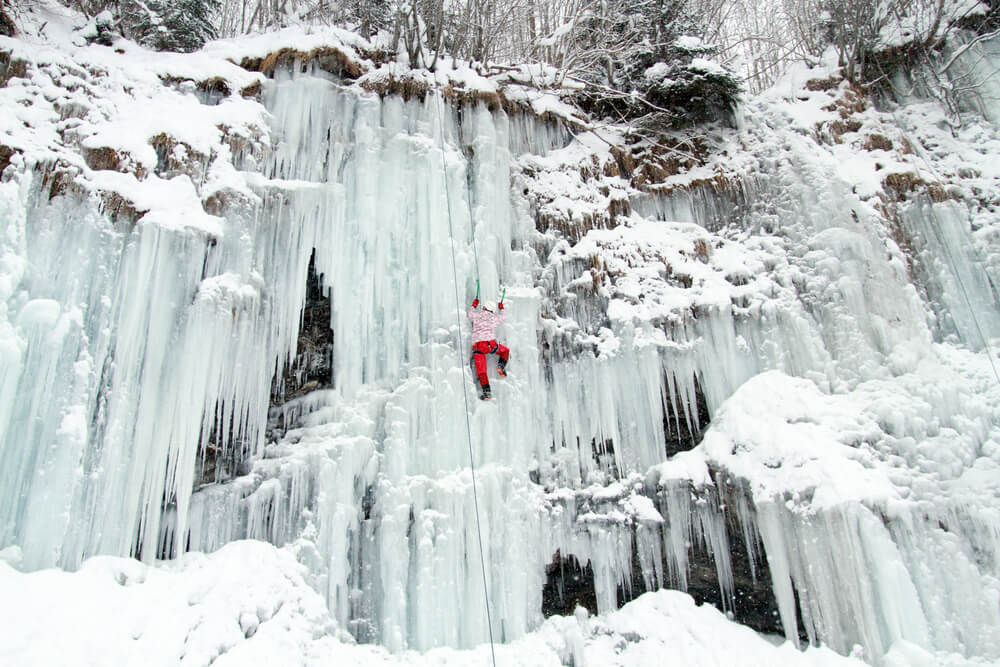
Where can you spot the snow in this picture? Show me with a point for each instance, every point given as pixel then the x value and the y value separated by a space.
pixel 690 43
pixel 172 203
pixel 250 604
pixel 657 71
pixel 562 31
pixel 301 38
pixel 829 345
pixel 707 66
pixel 917 24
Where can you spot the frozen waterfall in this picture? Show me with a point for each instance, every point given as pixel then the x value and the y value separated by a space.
pixel 839 379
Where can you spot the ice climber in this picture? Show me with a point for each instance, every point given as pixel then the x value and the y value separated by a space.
pixel 484 325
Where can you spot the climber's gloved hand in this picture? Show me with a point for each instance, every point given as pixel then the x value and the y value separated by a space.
pixel 500 305
pixel 475 304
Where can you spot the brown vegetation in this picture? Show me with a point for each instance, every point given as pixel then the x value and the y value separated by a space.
pixel 839 128
pixel 571 230
pixel 684 280
pixel 623 165
pixel 654 163
pixel 327 58
pixel 242 145
pixel 904 240
pixel 103 159
pixel 109 159
pixel 823 84
pixel 168 165
pixel 6 153
pixel 216 85
pixel 719 183
pixel 225 200
pixel 619 207
pixel 11 68
pixel 853 100
pixel 574 230
pixel 878 142
pixel 702 250
pixel 407 88
pixel 903 184
pixel 119 209
pixel 493 100
pixel 936 192
pixel 59 179
pixel 252 92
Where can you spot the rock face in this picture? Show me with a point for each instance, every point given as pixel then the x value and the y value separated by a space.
pixel 312 366
pixel 7 27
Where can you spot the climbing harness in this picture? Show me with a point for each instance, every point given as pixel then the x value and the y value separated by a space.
pixel 465 393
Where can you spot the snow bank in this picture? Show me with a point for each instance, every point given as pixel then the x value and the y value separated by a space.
pixel 245 604
pixel 249 604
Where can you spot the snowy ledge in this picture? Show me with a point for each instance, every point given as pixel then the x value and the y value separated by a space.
pixel 515 89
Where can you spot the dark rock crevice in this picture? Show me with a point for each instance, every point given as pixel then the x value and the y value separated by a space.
pixel 217 461
pixel 312 367
pixel 750 602
pixel 681 432
pixel 568 584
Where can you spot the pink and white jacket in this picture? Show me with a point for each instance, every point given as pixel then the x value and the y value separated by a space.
pixel 485 323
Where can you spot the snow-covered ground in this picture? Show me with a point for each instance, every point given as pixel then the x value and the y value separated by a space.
pixel 249 604
pixel 813 301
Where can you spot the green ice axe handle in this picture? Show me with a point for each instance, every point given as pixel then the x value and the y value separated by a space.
pixel 477 290
pixel 503 295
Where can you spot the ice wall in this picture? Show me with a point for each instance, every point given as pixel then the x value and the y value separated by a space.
pixel 134 349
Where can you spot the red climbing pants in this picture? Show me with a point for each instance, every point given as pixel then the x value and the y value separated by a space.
pixel 479 352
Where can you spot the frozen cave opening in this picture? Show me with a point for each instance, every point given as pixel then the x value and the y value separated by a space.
pixel 312 366
pixel 310 369
pixel 568 584
pixel 680 432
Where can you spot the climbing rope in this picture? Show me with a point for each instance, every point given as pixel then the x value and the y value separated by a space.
pixel 465 391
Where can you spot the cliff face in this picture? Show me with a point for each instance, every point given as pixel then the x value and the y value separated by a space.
pixel 751 364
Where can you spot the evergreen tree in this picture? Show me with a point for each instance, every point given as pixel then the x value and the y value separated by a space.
pixel 170 25
pixel 687 86
pixel 648 64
